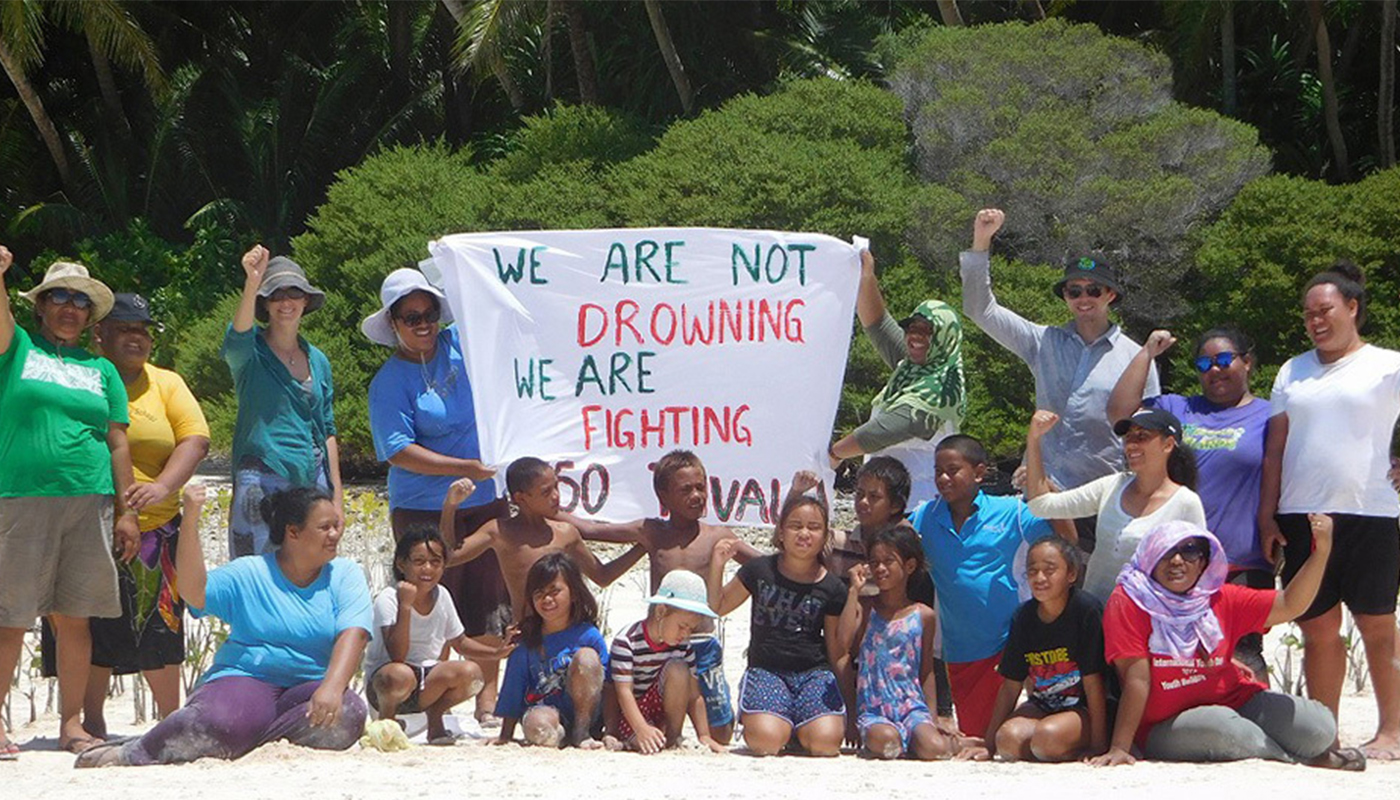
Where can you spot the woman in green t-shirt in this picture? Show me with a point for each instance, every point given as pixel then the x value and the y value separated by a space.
pixel 65 468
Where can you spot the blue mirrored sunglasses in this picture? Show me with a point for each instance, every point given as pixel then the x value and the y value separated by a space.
pixel 1222 360
pixel 76 299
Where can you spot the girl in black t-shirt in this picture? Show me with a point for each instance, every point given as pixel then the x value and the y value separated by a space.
pixel 1055 652
pixel 789 689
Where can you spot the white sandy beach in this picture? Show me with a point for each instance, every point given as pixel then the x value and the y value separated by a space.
pixel 470 769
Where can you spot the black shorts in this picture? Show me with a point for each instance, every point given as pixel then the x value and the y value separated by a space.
pixel 410 704
pixel 1364 569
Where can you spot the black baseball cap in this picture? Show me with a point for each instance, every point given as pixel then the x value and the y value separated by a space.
pixel 131 307
pixel 1152 419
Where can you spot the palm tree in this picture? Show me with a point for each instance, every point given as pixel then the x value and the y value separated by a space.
pixel 671 57
pixel 482 30
pixel 1385 111
pixel 1329 89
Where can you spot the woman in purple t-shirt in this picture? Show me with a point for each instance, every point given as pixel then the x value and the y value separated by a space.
pixel 1226 426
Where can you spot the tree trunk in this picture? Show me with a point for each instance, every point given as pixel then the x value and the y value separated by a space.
pixel 948 10
pixel 456 123
pixel 47 131
pixel 583 56
pixel 1329 90
pixel 400 26
pixel 1228 78
pixel 1385 113
pixel 549 12
pixel 669 54
pixel 107 84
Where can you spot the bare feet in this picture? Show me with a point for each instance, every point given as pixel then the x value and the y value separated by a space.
pixel 589 744
pixel 1382 748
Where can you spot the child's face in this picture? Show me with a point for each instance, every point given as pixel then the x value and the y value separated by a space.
pixel 423 566
pixel 684 497
pixel 675 627
pixel 958 479
pixel 553 602
pixel 542 498
pixel 1048 574
pixel 887 569
pixel 873 506
pixel 803 533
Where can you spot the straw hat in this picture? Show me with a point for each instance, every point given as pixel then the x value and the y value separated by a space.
pixel 67 275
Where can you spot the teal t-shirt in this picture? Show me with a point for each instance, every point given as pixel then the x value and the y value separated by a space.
pixel 281 633
pixel 56 404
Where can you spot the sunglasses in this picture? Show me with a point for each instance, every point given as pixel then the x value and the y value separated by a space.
pixel 287 294
pixel 413 319
pixel 1190 552
pixel 69 297
pixel 1222 360
pixel 1076 292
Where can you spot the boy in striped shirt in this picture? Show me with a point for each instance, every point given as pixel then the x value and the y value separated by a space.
pixel 651 671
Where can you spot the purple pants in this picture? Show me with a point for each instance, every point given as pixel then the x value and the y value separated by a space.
pixel 230 717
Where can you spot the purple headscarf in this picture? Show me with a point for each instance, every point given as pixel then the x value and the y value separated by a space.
pixel 1180 622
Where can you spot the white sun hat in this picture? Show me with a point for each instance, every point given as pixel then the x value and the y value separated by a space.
pixel 685 590
pixel 379 326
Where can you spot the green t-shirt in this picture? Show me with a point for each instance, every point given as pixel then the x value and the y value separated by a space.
pixel 56 403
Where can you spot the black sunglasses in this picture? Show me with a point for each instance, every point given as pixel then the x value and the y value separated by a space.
pixel 287 294
pixel 76 299
pixel 1075 292
pixel 413 319
pixel 1222 360
pixel 1191 552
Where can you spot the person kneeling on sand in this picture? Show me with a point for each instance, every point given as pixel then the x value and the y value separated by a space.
pixel 554 682
pixel 652 683
pixel 415 624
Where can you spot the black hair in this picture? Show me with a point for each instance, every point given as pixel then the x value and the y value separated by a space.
pixel 669 465
pixel 1239 341
pixel 394 307
pixel 582 605
pixel 414 536
pixel 1181 465
pixel 904 542
pixel 523 472
pixel 791 504
pixel 967 446
pixel 1347 277
pixel 288 507
pixel 891 472
pixel 1067 551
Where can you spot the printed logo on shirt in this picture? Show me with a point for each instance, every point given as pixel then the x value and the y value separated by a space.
pixel 780 608
pixel 40 366
pixel 1203 438
pixel 1055 679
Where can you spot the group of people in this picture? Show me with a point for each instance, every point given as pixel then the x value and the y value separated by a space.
pixel 1125 594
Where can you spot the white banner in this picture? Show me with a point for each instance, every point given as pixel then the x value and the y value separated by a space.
pixel 600 351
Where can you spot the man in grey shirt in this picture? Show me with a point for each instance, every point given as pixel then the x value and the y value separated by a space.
pixel 1076 365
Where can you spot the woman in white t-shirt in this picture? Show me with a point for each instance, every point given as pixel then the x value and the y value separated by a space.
pixel 415 624
pixel 1157 488
pixel 1328 452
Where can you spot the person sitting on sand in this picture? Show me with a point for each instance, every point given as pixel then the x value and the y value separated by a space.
pixel 652 682
pixel 683 540
pixel 553 685
pixel 415 623
pixel 519 541
pixel 1170 628
pixel 298 621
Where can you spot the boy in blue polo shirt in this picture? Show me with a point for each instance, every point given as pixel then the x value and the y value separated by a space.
pixel 972 541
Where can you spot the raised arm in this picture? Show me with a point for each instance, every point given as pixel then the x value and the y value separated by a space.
pixel 852 622
pixel 1270 486
pixel 399 636
pixel 457 493
pixel 610 532
pixel 1008 328
pixel 472 547
pixel 189 554
pixel 254 265
pixel 1132 384
pixel 1037 482
pixel 870 303
pixel 724 597
pixel 1300 592
pixel 7 316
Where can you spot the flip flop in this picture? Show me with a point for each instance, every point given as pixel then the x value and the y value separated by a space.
pixel 446 740
pixel 9 751
pixel 1346 759
pixel 80 744
pixel 107 754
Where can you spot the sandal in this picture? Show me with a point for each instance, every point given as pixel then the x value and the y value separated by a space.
pixel 1346 759
pixel 107 754
pixel 80 744
pixel 9 751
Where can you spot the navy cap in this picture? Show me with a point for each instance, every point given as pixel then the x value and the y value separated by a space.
pixel 130 307
pixel 1152 419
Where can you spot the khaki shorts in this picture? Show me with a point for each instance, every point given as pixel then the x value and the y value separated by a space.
pixel 56 558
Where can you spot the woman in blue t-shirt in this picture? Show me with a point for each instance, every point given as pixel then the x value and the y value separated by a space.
pixel 1226 426
pixel 423 421
pixel 298 618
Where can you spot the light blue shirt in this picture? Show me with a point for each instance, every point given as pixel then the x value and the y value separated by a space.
pixel 974 570
pixel 428 404
pixel 281 633
pixel 1072 378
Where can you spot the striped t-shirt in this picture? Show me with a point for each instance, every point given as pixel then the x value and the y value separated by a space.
pixel 636 659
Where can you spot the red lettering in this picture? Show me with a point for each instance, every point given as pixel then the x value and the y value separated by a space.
pixel 624 320
pixel 583 339
pixel 656 315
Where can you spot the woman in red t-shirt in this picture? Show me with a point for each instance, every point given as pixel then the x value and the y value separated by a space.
pixel 1170 627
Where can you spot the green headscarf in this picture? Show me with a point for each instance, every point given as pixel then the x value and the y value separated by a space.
pixel 934 391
